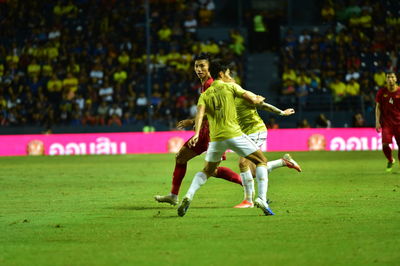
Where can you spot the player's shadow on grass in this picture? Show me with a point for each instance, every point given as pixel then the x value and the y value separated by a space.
pixel 134 208
pixel 143 208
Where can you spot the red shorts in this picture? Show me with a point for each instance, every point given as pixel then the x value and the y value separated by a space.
pixel 204 139
pixel 388 132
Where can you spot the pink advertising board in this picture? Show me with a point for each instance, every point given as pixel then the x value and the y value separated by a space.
pixel 342 139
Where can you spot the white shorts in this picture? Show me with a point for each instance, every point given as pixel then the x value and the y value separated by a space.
pixel 259 138
pixel 242 145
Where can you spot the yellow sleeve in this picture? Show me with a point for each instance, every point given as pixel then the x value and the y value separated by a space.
pixel 238 90
pixel 201 100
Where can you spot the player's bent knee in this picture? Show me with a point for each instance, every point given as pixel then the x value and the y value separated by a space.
pixel 262 158
pixel 243 168
pixel 243 165
pixel 257 158
pixel 210 168
pixel 209 172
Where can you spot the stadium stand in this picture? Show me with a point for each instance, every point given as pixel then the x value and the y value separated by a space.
pixel 79 65
pixel 339 66
pixel 82 63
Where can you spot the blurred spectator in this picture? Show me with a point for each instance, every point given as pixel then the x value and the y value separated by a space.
pixel 190 24
pixel 289 87
pixel 123 59
pixel 106 92
pixel 70 86
pixel 115 115
pixel 34 69
pixel 35 85
pixel 304 124
pixel 89 115
pixel 304 37
pixel 315 83
pixel 302 91
pixel 352 74
pixel 237 45
pixel 288 74
pixel 338 89
pixel 120 75
pixel 259 33
pixel 206 11
pixel 328 13
pixel 272 124
pixel 290 39
pixel 129 112
pixel 141 103
pixel 380 78
pixel 322 122
pixel 352 88
pixel 358 120
pixel 102 112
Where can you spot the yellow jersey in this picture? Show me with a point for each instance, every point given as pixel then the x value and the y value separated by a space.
pixel 219 103
pixel 249 120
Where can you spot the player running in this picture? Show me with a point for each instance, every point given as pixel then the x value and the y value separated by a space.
pixel 253 126
pixel 186 153
pixel 387 115
pixel 225 133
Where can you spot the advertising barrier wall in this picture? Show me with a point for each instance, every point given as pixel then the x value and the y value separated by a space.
pixel 335 139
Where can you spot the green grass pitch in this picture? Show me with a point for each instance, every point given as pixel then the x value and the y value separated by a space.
pixel 343 209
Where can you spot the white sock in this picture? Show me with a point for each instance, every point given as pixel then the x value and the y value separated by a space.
pixel 274 164
pixel 262 180
pixel 199 179
pixel 248 185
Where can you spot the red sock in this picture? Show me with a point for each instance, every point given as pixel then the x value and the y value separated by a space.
pixel 179 174
pixel 388 152
pixel 228 174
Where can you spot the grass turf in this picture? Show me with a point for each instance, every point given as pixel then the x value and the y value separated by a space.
pixel 99 210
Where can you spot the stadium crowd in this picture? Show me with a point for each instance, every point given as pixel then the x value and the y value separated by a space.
pixel 82 62
pixel 344 59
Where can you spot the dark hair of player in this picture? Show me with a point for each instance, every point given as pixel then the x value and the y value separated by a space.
pixel 218 65
pixel 203 56
pixel 390 73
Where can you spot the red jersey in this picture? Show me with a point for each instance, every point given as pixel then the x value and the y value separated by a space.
pixel 204 134
pixel 390 107
pixel 206 84
pixel 204 126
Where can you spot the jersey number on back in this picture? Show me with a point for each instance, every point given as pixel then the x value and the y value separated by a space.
pixel 217 103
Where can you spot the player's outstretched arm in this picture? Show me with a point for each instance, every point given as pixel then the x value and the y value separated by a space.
pixel 378 118
pixel 270 108
pixel 252 98
pixel 197 125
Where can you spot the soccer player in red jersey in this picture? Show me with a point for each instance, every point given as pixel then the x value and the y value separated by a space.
pixel 387 115
pixel 186 153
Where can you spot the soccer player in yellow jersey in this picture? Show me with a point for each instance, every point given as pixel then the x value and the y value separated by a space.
pixel 253 126
pixel 225 133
